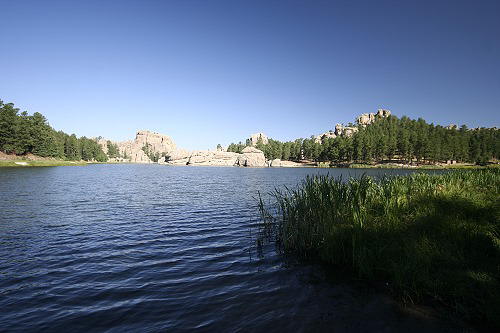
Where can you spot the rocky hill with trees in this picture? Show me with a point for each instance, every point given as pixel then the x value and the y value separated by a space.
pixel 147 147
pixel 375 138
pixel 382 137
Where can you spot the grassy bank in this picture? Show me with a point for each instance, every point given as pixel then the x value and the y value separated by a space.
pixel 420 167
pixel 42 163
pixel 432 239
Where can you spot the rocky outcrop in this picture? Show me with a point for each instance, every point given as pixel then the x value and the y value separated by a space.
pixel 157 144
pixel 134 150
pixel 383 113
pixel 347 131
pixel 254 139
pixel 368 118
pixel 215 158
pixel 148 147
pixel 176 157
pixel 341 130
pixel 327 135
pixel 103 143
pixel 249 157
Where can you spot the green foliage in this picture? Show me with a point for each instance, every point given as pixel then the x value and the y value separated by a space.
pixel 430 237
pixel 10 123
pixel 21 134
pixel 91 150
pixel 392 139
pixel 236 147
pixel 72 149
pixel 148 150
pixel 113 151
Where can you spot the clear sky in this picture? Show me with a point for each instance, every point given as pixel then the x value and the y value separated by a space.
pixel 208 72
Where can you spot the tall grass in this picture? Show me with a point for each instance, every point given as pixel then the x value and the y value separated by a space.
pixel 431 238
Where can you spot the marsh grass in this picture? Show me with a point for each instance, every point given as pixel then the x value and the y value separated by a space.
pixel 430 238
pixel 422 166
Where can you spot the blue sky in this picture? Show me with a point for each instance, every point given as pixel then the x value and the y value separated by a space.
pixel 208 72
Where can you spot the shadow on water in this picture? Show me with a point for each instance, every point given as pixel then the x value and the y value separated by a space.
pixel 454 250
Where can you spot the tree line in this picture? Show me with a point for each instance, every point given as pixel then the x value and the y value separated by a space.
pixel 21 133
pixel 388 139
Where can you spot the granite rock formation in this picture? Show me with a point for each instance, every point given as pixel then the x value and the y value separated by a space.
pixel 132 150
pixel 254 139
pixel 368 118
pixel 215 158
pixel 327 135
pixel 250 157
pixel 347 131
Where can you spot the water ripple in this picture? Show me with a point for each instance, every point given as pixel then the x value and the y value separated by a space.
pixel 149 248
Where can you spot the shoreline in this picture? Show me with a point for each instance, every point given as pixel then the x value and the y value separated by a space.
pixel 40 163
pixel 421 237
pixel 21 163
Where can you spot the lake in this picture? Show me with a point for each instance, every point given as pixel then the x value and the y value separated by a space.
pixel 151 248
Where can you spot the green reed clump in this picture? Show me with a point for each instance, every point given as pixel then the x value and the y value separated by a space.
pixel 429 237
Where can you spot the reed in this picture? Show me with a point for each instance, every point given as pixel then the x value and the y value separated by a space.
pixel 430 238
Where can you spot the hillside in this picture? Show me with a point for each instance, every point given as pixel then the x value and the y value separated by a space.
pixel 382 137
pixel 375 138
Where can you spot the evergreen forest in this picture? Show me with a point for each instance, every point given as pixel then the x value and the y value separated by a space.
pixel 21 133
pixel 391 139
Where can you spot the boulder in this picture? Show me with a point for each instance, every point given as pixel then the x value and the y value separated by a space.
pixel 214 158
pixel 176 157
pixel 251 157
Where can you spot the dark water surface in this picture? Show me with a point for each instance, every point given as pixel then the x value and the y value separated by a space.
pixel 145 248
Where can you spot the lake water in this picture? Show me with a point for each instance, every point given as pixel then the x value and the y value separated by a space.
pixel 151 248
